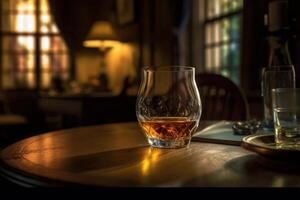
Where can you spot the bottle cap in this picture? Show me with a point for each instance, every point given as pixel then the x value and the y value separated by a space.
pixel 278 15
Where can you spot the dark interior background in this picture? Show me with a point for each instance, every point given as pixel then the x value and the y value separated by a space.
pixel 152 31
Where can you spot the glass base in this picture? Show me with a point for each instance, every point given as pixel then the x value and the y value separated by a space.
pixel 288 145
pixel 174 144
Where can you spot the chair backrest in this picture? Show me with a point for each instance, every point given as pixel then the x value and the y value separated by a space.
pixel 221 98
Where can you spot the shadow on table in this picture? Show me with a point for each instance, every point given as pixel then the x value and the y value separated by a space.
pixel 251 171
pixel 102 160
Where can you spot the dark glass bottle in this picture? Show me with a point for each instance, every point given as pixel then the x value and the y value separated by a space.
pixel 280 71
pixel 279 51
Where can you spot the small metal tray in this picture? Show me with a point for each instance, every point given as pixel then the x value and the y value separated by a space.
pixel 264 144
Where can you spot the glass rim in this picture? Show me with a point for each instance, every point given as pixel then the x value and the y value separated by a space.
pixel 169 68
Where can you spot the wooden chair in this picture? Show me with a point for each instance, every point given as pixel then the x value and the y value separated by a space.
pixel 221 98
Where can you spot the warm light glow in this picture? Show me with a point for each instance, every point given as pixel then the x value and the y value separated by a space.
pixel 45 18
pixel 30 63
pixel 145 166
pixel 100 43
pixel 44 5
pixel 25 22
pixel 46 151
pixel 121 64
pixel 26 43
pixel 101 35
pixel 21 20
pixel 46 63
pixel 45 43
pixel 102 30
pixel 150 160
pixel 54 28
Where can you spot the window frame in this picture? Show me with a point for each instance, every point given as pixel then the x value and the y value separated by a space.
pixel 219 18
pixel 38 52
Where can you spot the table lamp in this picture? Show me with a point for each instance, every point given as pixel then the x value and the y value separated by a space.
pixel 103 37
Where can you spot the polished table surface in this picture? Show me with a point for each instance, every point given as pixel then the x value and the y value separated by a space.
pixel 118 155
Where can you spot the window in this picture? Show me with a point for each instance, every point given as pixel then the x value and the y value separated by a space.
pixel 222 24
pixel 32 50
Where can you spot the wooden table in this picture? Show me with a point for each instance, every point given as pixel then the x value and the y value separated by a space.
pixel 118 155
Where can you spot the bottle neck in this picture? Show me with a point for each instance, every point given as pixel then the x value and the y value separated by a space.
pixel 279 52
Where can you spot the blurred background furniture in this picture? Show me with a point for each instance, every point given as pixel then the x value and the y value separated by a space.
pixel 65 111
pixel 10 123
pixel 221 98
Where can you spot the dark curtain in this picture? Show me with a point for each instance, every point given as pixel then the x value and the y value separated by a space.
pixel 74 19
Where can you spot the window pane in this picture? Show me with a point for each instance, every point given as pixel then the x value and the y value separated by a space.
pixel 217 37
pixel 47 24
pixel 65 63
pixel 208 33
pixel 217 60
pixel 225 72
pixel 24 22
pixel 222 51
pixel 5 22
pixel 225 30
pixel 208 58
pixel 44 5
pixel 30 80
pixel 54 43
pixel 50 62
pixel 235 27
pixel 225 5
pixel 18 16
pixel 18 62
pixel 54 29
pixel 19 53
pixel 25 43
pixel 236 4
pixel 214 8
pixel 225 53
pixel 24 5
pixel 46 80
pixel 210 8
pixel 235 76
pixel 6 63
pixel 17 69
pixel 217 8
pixel 45 43
pixel 235 54
pixel 45 63
pixel 18 44
pixel 53 63
pixel 19 23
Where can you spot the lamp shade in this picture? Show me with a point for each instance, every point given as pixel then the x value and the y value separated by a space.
pixel 100 31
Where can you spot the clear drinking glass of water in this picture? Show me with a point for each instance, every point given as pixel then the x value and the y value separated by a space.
pixel 286 113
pixel 275 77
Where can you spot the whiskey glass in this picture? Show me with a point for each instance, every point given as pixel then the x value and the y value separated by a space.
pixel 168 105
